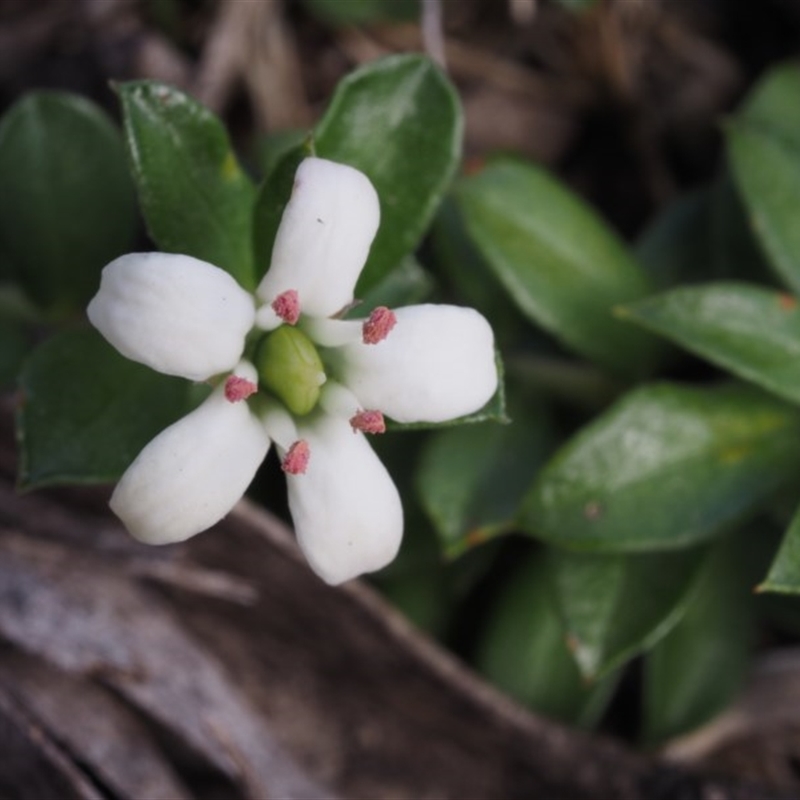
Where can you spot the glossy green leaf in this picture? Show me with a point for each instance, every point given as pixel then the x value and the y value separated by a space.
pixel 67 205
pixel 665 467
pixel 523 650
pixel 86 411
pixel 616 606
pixel 472 478
pixel 399 121
pixel 697 669
pixel 752 332
pixel 767 171
pixel 562 266
pixel 784 573
pixel 195 198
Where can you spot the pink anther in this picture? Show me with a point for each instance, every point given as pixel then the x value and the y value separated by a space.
pixel 378 325
pixel 296 460
pixel 237 388
pixel 368 422
pixel 287 306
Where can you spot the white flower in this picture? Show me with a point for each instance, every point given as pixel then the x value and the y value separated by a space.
pixel 287 371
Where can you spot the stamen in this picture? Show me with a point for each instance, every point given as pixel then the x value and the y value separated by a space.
pixel 287 306
pixel 378 325
pixel 296 460
pixel 237 388
pixel 368 422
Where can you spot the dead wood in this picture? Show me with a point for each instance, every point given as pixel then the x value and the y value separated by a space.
pixel 225 668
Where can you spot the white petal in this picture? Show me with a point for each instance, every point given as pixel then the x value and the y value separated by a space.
pixel 324 237
pixel 436 364
pixel 192 474
pixel 174 313
pixel 346 509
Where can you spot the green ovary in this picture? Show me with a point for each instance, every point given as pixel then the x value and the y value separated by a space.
pixel 290 367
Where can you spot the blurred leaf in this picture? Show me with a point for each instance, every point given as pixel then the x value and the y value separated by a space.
pixel 767 171
pixel 675 247
pixel 399 121
pixel 561 265
pixel 784 574
pixel 423 597
pixel 734 250
pixel 271 149
pixel 87 411
pixel 752 332
pixel 354 12
pixel 576 383
pixel 16 307
pixel 14 345
pixel 407 285
pixel 471 478
pixel 703 235
pixel 273 194
pixel 764 147
pixel 615 607
pixel 664 467
pixel 470 275
pixel 522 650
pixel 67 205
pixel 195 198
pixel 773 104
pixel 697 669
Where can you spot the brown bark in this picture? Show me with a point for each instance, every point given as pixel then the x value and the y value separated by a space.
pixel 225 668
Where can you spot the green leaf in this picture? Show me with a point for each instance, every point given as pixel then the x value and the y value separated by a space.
pixel 472 478
pixel 561 265
pixel 422 597
pixel 702 236
pixel 767 171
pixel 617 606
pixel 273 194
pixel 697 669
pixel 784 573
pixel 67 205
pixel 752 332
pixel 195 198
pixel 470 276
pixel 407 285
pixel 399 121
pixel 665 467
pixel 87 411
pixel 773 104
pixel 675 247
pixel 522 650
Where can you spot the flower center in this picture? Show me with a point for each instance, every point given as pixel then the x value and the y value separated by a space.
pixel 290 367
